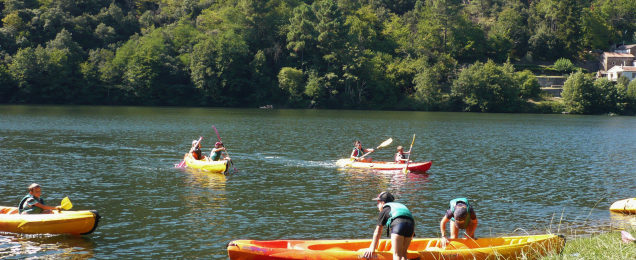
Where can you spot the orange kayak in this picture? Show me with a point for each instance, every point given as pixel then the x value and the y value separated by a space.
pixel 420 167
pixel 531 246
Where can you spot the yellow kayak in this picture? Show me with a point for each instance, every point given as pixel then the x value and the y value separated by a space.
pixel 627 206
pixel 80 222
pixel 206 164
pixel 531 247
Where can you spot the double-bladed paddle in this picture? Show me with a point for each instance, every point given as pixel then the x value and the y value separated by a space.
pixel 66 204
pixel 406 167
pixel 386 143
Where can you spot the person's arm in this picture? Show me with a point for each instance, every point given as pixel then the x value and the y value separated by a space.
pixel 442 229
pixel 45 207
pixel 374 244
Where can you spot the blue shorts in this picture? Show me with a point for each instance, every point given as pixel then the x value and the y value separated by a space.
pixel 403 227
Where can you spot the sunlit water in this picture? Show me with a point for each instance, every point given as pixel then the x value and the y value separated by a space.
pixel 523 173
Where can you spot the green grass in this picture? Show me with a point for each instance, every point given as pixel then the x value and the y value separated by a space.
pixel 600 246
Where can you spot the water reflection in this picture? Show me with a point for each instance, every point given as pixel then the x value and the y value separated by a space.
pixel 21 246
pixel 622 221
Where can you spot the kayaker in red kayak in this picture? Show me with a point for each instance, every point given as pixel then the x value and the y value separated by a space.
pixel 400 226
pixel 358 152
pixel 461 216
pixel 33 204
pixel 400 155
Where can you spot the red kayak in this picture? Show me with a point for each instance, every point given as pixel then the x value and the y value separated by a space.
pixel 384 166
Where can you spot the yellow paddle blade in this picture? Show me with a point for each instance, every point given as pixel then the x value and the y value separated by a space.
pixel 385 143
pixel 66 204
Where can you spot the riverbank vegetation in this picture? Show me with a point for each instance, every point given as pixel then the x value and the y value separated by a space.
pixel 600 246
pixel 447 55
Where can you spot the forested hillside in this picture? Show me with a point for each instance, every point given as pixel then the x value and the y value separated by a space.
pixel 367 54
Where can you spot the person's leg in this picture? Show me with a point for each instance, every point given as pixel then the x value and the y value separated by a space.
pixel 399 252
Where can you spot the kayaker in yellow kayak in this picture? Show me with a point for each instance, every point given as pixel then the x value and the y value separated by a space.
pixel 32 203
pixel 217 152
pixel 461 216
pixel 358 152
pixel 195 150
pixel 399 156
pixel 399 222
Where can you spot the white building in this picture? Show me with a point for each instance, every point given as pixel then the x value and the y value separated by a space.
pixel 621 71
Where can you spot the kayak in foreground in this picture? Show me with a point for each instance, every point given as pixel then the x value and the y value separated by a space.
pixel 531 247
pixel 627 206
pixel 384 166
pixel 81 222
pixel 205 164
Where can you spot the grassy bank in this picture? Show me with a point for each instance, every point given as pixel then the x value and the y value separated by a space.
pixel 601 246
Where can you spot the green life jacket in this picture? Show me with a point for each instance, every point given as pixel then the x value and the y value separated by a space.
pixel 397 210
pixel 215 156
pixel 452 208
pixel 31 209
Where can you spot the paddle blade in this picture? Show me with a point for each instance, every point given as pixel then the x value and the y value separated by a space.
pixel 66 204
pixel 385 143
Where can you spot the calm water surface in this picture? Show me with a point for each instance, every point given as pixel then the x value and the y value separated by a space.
pixel 523 173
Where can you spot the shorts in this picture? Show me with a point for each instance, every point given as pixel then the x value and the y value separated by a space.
pixel 403 227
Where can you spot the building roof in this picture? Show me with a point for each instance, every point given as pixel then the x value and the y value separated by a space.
pixel 622 68
pixel 628 46
pixel 618 55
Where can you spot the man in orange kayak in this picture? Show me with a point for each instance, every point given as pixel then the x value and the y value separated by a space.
pixel 400 226
pixel 32 203
pixel 358 152
pixel 461 216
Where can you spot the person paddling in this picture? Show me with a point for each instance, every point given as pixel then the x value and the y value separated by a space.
pixel 400 155
pixel 32 203
pixel 358 152
pixel 400 226
pixel 196 150
pixel 461 215
pixel 217 152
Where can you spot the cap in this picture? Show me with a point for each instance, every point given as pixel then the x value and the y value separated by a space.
pixel 218 144
pixel 33 186
pixel 385 196
pixel 460 213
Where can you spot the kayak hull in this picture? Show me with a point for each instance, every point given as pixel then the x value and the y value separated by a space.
pixel 531 247
pixel 81 222
pixel 626 206
pixel 206 165
pixel 384 166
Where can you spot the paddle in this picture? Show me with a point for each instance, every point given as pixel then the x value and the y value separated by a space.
pixel 406 167
pixel 182 163
pixel 66 204
pixel 228 155
pixel 382 145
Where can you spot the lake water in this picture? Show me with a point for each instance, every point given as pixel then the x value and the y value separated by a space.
pixel 523 173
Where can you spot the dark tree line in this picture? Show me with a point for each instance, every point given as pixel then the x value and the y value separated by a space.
pixel 369 54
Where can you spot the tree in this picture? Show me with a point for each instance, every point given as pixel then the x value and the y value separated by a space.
pixel 528 84
pixel 487 87
pixel 563 65
pixel 578 93
pixel 292 81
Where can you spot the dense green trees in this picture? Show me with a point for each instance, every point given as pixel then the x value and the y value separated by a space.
pixel 372 54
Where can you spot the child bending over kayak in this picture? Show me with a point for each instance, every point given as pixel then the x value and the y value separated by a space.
pixel 358 152
pixel 32 203
pixel 400 226
pixel 461 216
